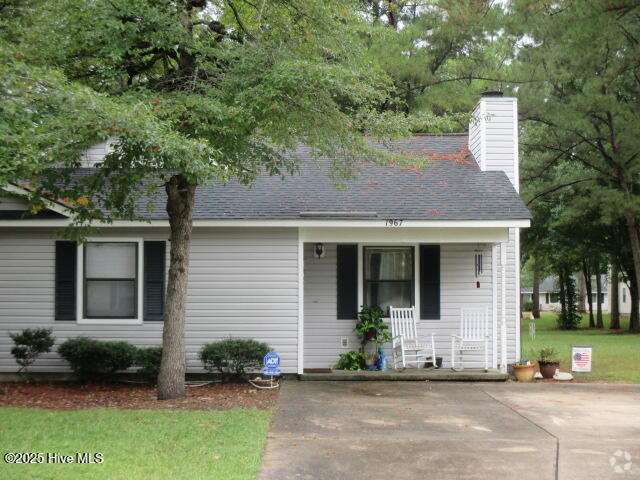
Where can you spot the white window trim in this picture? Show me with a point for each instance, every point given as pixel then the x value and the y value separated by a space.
pixel 80 284
pixel 416 273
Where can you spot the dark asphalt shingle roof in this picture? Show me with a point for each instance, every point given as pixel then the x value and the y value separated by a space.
pixel 449 187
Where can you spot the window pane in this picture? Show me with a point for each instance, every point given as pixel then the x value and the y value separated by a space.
pixel 110 298
pixel 110 260
pixel 388 263
pixel 384 294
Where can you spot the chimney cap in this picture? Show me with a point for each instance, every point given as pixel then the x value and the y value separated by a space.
pixel 492 93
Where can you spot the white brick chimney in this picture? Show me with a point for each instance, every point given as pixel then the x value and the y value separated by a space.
pixel 493 134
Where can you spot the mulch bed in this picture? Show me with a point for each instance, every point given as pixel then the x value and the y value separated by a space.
pixel 75 396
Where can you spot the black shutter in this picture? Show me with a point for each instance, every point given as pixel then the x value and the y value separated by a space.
pixel 154 264
pixel 429 282
pixel 347 269
pixel 66 273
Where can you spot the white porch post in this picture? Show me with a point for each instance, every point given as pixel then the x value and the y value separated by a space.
pixel 300 302
pixel 503 323
pixel 494 306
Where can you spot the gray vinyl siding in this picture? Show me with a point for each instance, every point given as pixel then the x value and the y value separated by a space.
pixel 242 282
pixel 493 141
pixel 95 153
pixel 11 202
pixel 322 329
pixel 499 140
pixel 512 297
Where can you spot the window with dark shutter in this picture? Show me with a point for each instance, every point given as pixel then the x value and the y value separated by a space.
pixel 429 282
pixel 154 275
pixel 66 274
pixel 347 270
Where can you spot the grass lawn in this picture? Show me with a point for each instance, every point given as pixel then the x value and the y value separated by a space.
pixel 137 444
pixel 616 356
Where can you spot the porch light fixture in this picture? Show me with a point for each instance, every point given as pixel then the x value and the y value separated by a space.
pixel 318 250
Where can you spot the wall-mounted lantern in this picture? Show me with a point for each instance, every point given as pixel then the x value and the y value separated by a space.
pixel 318 250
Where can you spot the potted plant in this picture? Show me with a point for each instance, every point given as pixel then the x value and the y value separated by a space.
pixel 547 362
pixel 372 331
pixel 524 370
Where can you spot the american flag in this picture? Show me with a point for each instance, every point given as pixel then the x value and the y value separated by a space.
pixel 581 359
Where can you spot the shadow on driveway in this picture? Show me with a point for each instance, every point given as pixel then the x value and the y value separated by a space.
pixel 371 430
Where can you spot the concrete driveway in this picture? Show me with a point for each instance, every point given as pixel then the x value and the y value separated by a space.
pixel 418 430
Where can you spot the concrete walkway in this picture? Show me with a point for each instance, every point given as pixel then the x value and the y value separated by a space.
pixel 418 430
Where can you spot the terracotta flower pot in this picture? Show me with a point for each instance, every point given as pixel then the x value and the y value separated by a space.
pixel 524 373
pixel 371 334
pixel 548 369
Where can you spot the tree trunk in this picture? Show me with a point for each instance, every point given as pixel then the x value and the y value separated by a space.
pixel 582 294
pixel 180 203
pixel 635 301
pixel 587 282
pixel 634 239
pixel 563 296
pixel 535 296
pixel 614 299
pixel 599 321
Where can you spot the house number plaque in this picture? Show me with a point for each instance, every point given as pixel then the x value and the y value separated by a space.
pixel 393 222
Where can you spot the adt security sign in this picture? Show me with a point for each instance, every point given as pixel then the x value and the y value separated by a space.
pixel 271 363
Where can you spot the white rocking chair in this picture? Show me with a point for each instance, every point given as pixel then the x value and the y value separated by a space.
pixel 407 349
pixel 474 336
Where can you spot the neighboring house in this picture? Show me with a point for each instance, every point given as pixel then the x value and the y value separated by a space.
pixel 290 261
pixel 549 295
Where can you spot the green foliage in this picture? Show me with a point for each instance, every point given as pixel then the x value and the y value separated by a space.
pixel 29 344
pixel 579 135
pixel 148 359
pixel 233 356
pixel 527 305
pixel 352 360
pixel 546 354
pixel 97 360
pixel 201 90
pixel 371 326
pixel 440 55
pixel 569 318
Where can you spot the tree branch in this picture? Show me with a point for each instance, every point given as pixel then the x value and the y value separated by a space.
pixel 236 15
pixel 555 188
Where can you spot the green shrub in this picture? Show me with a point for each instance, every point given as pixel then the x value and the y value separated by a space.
pixel 148 359
pixel 94 360
pixel 29 344
pixel 527 306
pixel 371 327
pixel 352 360
pixel 233 356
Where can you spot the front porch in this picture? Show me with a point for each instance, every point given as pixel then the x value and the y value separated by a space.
pixel 465 270
pixel 408 375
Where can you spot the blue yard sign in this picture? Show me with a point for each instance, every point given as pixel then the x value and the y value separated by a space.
pixel 271 363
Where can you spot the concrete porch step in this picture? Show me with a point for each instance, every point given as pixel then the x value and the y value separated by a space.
pixel 408 375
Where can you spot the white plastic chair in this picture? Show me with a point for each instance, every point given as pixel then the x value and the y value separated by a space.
pixel 407 349
pixel 474 336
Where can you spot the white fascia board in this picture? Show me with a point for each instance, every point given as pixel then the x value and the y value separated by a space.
pixel 50 205
pixel 295 222
pixel 405 236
